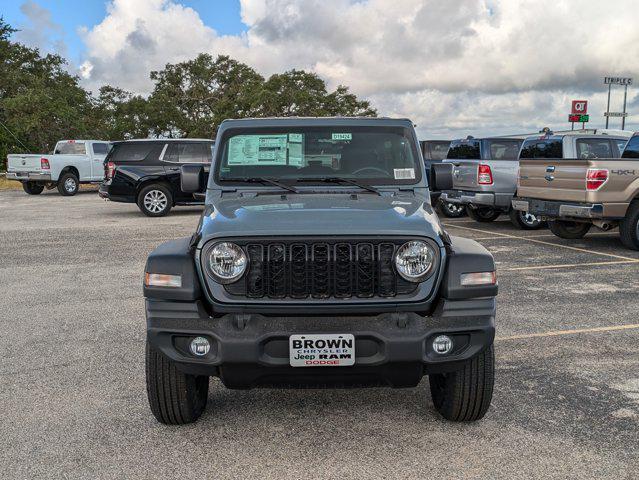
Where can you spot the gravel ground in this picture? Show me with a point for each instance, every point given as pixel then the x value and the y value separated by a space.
pixel 73 397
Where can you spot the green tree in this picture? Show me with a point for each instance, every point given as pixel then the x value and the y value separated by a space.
pixel 40 102
pixel 190 99
pixel 120 115
pixel 304 94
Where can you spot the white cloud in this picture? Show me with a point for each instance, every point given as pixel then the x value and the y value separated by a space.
pixel 40 31
pixel 453 67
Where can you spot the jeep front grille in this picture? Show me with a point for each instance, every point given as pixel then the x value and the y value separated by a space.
pixel 330 269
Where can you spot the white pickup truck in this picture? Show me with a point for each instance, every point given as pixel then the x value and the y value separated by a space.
pixel 72 162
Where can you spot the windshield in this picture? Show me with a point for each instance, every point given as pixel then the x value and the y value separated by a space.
pixel 374 155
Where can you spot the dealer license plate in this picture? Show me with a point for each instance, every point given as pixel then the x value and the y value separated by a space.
pixel 322 350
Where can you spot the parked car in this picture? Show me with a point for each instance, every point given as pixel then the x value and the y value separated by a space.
pixel 596 188
pixel 318 261
pixel 147 172
pixel 488 186
pixel 482 170
pixel 434 151
pixel 72 163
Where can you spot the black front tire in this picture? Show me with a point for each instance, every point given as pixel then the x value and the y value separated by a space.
pixel 569 230
pixel 175 398
pixel 32 188
pixel 155 200
pixel 451 210
pixel 68 184
pixel 525 220
pixel 483 214
pixel 629 227
pixel 465 395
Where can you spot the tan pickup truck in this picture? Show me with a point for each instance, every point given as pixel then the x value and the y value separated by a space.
pixel 576 194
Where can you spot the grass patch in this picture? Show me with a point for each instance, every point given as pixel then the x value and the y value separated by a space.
pixel 15 185
pixel 9 184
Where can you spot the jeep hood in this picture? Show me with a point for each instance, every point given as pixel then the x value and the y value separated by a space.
pixel 309 214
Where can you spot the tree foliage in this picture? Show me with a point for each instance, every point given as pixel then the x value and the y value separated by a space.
pixel 41 102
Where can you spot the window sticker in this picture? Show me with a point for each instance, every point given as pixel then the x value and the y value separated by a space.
pixel 295 137
pixel 258 150
pixel 342 136
pixel 404 173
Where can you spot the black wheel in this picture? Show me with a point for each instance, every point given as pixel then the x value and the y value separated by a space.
pixel 175 398
pixel 629 227
pixel 524 220
pixel 32 188
pixel 465 395
pixel 451 210
pixel 569 230
pixel 483 214
pixel 155 200
pixel 68 184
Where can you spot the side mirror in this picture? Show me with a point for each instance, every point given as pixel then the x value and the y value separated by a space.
pixel 441 175
pixel 192 178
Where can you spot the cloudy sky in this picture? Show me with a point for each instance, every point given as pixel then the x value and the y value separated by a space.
pixel 454 67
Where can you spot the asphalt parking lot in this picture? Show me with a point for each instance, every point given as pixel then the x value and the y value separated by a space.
pixel 73 400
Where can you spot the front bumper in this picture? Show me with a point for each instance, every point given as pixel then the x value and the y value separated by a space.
pixel 249 350
pixel 488 199
pixel 557 209
pixel 29 176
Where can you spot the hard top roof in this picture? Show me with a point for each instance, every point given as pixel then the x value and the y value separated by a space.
pixel 314 121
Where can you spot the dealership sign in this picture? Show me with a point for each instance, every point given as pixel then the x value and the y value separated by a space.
pixel 578 118
pixel 579 111
pixel 615 114
pixel 579 107
pixel 617 80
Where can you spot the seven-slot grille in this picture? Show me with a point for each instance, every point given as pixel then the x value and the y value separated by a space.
pixel 330 269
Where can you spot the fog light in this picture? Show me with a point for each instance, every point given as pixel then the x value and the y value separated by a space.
pixel 443 344
pixel 200 346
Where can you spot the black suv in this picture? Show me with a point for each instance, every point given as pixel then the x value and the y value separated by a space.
pixel 147 172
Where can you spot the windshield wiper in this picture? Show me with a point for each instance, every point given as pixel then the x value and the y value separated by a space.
pixel 266 180
pixel 341 180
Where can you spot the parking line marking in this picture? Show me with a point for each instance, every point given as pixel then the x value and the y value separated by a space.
pixel 550 235
pixel 577 249
pixel 558 333
pixel 569 265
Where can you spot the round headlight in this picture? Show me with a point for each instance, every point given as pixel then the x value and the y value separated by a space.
pixel 227 262
pixel 414 260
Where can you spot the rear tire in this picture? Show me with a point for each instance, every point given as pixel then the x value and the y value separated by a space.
pixel 569 230
pixel 32 188
pixel 525 220
pixel 451 210
pixel 465 395
pixel 68 184
pixel 175 398
pixel 482 214
pixel 629 227
pixel 155 200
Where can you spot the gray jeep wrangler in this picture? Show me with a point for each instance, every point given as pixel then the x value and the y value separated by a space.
pixel 318 262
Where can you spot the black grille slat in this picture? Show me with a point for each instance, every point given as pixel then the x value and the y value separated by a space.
pixel 320 263
pixel 297 269
pixel 298 262
pixel 255 276
pixel 277 270
pixel 365 266
pixel 387 284
pixel 343 276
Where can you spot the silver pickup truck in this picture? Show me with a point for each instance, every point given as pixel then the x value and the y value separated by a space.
pixel 487 183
